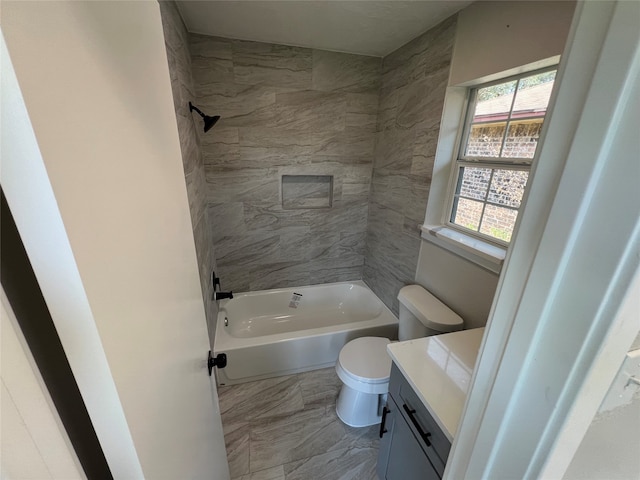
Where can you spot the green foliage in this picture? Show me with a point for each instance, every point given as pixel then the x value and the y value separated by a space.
pixel 493 232
pixel 509 87
pixel 539 79
pixel 499 233
pixel 496 91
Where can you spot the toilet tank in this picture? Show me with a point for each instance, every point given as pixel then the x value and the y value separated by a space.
pixel 422 314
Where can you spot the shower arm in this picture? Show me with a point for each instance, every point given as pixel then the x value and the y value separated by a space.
pixel 192 107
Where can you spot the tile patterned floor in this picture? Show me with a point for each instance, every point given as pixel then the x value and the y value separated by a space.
pixel 286 428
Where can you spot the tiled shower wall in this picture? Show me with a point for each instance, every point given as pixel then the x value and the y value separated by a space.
pixel 414 80
pixel 176 42
pixel 286 111
pixel 372 124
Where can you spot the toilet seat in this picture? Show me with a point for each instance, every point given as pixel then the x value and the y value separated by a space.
pixel 365 365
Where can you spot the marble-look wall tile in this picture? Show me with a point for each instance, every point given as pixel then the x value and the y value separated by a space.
pixel 362 111
pixel 383 282
pixel 333 71
pixel 303 246
pixel 410 107
pixel 260 184
pixel 356 190
pixel 371 124
pixel 358 142
pixel 387 105
pixel 235 102
pixel 416 204
pixel 271 64
pixel 337 273
pixel 189 146
pixel 263 146
pixel 272 217
pixel 226 219
pixel 390 189
pixel 382 218
pixel 177 42
pixel 285 111
pixel 211 56
pixel 246 250
pixel 421 101
pixel 349 217
pixel 223 149
pixel 394 149
pixel 358 173
pixel 424 152
pixel 197 193
pixel 283 274
pixel 430 51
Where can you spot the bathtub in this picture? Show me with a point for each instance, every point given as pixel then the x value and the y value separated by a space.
pixel 290 330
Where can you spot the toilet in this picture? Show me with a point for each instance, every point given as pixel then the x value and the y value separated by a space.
pixel 364 365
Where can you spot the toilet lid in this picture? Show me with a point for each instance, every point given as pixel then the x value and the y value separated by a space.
pixel 366 359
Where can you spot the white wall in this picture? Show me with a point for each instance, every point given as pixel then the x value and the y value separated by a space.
pixel 495 37
pixel 95 81
pixel 465 287
pixel 485 48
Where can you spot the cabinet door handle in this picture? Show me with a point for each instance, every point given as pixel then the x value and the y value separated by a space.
pixel 383 430
pixel 414 420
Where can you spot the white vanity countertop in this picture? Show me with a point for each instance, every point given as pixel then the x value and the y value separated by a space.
pixel 439 369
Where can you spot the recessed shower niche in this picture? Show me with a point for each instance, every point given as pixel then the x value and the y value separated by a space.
pixel 307 191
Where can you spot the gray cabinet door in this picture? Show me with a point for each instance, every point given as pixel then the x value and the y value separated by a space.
pixel 406 460
pixel 386 434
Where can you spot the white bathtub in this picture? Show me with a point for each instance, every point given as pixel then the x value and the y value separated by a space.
pixel 274 332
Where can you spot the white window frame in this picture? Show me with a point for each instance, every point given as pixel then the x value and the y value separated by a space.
pixel 461 160
pixel 484 251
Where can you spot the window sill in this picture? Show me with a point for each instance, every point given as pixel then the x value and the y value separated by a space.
pixel 473 249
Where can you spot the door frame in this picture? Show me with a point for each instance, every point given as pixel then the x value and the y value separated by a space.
pixel 556 334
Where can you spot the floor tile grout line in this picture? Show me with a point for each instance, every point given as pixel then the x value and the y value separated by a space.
pixel 321 394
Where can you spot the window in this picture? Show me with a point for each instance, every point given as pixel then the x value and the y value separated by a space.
pixel 498 144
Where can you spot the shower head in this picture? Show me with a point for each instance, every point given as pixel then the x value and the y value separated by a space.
pixel 208 121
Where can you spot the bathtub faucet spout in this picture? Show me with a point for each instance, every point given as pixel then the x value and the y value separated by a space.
pixel 221 295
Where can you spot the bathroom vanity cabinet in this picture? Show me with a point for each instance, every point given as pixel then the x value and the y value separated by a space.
pixel 412 445
pixel 428 387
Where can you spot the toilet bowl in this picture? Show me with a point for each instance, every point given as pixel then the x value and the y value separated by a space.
pixel 364 365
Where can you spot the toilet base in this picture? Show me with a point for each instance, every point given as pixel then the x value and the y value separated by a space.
pixel 358 409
